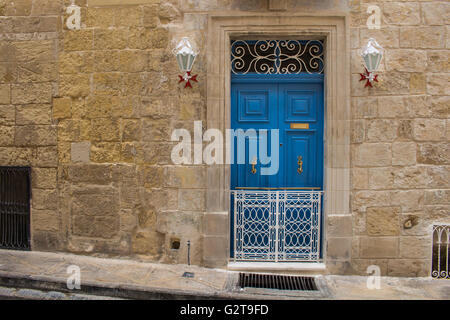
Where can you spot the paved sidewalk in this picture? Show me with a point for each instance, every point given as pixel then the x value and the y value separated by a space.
pixel 46 273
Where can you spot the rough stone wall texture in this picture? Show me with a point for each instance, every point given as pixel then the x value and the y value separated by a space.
pixel 29 45
pixel 400 137
pixel 117 106
pixel 92 111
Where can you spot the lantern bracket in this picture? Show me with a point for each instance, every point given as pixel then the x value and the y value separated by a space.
pixel 185 54
pixel 372 54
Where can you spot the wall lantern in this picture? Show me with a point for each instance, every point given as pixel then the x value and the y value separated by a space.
pixel 185 54
pixel 371 54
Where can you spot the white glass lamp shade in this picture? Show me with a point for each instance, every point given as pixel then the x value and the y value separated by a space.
pixel 185 61
pixel 372 54
pixel 185 55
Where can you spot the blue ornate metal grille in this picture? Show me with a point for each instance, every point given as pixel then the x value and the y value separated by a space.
pixel 277 56
pixel 277 225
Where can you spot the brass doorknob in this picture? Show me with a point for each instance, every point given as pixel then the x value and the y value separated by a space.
pixel 253 165
pixel 300 164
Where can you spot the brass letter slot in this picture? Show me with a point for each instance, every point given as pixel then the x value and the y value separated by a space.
pixel 299 125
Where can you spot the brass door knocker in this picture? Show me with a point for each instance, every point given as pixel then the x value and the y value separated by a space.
pixel 300 165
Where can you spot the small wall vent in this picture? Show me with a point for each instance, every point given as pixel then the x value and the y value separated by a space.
pixel 280 282
pixel 440 255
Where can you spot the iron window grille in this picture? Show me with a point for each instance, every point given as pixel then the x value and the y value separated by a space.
pixel 440 253
pixel 15 195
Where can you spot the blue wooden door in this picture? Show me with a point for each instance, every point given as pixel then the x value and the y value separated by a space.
pixel 296 110
pixel 294 105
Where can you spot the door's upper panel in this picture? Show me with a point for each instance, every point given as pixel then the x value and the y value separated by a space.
pixel 300 105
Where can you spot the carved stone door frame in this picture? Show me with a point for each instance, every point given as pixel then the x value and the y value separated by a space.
pixel 334 30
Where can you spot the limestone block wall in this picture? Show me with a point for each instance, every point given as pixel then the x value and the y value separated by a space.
pixel 92 112
pixel 400 137
pixel 117 106
pixel 29 45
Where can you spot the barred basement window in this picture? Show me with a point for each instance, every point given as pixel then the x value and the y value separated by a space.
pixel 441 245
pixel 277 56
pixel 15 197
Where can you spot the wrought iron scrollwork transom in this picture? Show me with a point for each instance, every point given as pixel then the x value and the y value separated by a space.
pixel 277 56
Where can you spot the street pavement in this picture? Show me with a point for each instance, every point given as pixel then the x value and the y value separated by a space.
pixel 54 276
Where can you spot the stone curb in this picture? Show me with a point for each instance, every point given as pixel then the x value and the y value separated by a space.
pixel 125 291
pixel 7 293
